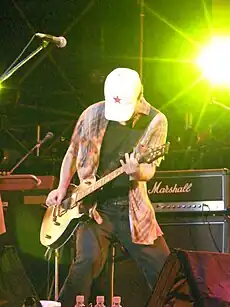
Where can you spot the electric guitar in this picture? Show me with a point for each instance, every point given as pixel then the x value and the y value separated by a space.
pixel 59 222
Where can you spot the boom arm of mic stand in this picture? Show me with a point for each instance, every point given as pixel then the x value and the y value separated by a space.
pixel 30 56
pixel 23 158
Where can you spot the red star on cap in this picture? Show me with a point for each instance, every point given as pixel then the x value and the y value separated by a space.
pixel 117 99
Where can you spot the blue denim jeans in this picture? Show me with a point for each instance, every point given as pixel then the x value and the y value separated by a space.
pixel 92 245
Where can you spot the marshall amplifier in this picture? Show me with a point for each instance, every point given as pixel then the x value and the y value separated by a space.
pixel 190 190
pixel 191 208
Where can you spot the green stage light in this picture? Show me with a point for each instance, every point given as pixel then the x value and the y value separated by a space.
pixel 214 61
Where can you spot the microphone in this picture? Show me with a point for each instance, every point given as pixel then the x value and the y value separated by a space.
pixel 48 136
pixel 60 41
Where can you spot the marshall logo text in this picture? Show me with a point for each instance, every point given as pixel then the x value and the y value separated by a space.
pixel 159 188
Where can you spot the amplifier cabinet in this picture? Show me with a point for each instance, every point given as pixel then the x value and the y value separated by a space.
pixel 193 231
pixel 190 190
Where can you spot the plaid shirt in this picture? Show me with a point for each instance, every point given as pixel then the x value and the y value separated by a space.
pixel 87 138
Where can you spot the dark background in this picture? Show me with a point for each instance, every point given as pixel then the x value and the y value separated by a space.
pixel 52 89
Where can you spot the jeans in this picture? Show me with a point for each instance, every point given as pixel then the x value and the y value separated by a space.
pixel 92 245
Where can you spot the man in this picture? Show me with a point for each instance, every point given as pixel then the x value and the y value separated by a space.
pixel 104 135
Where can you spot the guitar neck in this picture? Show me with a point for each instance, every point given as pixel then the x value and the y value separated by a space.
pixel 99 183
pixel 148 157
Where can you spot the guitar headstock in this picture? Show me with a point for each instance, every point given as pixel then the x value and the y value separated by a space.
pixel 152 154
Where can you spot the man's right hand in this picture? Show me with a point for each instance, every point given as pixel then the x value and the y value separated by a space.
pixel 55 197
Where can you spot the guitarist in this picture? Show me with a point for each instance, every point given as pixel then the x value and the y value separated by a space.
pixel 105 134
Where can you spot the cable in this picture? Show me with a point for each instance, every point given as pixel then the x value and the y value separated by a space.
pixel 209 227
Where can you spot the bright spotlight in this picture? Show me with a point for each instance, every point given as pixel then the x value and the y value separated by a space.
pixel 214 61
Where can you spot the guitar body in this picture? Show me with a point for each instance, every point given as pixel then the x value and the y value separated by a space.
pixel 56 229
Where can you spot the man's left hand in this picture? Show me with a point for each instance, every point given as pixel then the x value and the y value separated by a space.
pixel 136 171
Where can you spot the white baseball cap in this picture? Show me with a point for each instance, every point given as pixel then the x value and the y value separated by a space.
pixel 121 89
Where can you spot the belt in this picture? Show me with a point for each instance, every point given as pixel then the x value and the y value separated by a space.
pixel 117 201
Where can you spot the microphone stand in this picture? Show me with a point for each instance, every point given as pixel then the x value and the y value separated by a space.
pixel 23 158
pixel 10 72
pixel 6 75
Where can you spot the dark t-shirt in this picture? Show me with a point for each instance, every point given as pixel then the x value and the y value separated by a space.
pixel 118 140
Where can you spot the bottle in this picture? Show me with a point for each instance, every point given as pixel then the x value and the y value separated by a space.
pixel 100 301
pixel 116 302
pixel 80 301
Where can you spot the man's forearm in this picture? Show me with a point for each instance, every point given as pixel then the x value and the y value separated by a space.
pixel 68 168
pixel 144 173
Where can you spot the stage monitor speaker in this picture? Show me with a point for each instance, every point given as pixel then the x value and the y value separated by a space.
pixel 192 278
pixel 195 231
pixel 15 286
